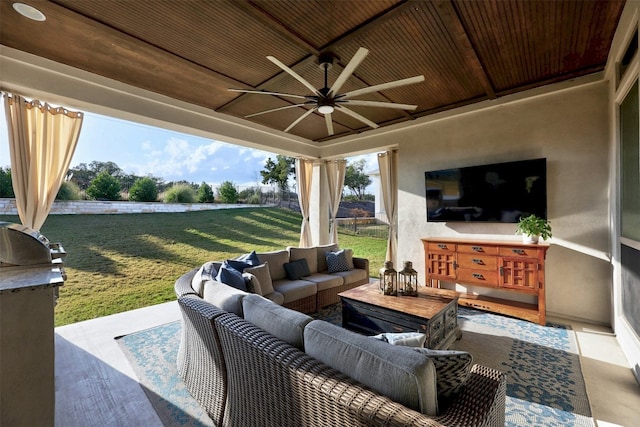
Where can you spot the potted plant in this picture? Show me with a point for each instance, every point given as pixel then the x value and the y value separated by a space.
pixel 533 227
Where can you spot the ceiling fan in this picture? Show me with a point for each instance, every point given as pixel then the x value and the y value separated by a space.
pixel 328 99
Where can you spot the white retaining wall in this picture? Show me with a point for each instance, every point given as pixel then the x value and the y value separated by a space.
pixel 8 207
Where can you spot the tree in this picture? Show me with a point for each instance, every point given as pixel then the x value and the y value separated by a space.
pixel 104 186
pixel 144 190
pixel 82 175
pixel 205 193
pixel 278 172
pixel 6 186
pixel 227 192
pixel 356 180
pixel 110 167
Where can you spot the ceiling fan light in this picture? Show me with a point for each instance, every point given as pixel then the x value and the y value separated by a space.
pixel 325 109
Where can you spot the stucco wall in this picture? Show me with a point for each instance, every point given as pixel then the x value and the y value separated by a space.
pixel 570 129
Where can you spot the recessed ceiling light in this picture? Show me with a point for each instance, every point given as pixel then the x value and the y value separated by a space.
pixel 29 12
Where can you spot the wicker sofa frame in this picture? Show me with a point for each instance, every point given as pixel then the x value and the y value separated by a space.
pixel 243 376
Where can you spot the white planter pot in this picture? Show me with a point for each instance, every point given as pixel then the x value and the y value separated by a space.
pixel 528 238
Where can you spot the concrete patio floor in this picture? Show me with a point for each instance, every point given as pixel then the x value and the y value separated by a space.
pixel 96 386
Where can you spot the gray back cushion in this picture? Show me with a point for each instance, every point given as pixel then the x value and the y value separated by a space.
pixel 400 373
pixel 281 322
pixel 223 296
pixel 276 260
pixel 308 254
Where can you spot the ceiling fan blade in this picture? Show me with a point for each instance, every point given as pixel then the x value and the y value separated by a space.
pixel 299 119
pixel 264 92
pixel 274 109
pixel 383 86
pixel 329 122
pixel 358 117
pixel 349 69
pixel 295 75
pixel 381 104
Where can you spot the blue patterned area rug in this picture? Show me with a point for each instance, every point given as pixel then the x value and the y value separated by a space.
pixel 545 385
pixel 153 353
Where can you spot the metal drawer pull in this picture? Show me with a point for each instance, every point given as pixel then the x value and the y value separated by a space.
pixel 518 251
pixel 477 261
pixel 477 248
pixel 477 276
pixel 442 246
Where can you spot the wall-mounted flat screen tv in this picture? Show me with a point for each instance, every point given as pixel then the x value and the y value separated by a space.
pixel 499 192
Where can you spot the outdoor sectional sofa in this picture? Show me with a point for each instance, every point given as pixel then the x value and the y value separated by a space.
pixel 298 278
pixel 257 363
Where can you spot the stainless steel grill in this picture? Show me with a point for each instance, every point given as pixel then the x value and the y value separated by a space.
pixel 23 248
pixel 30 273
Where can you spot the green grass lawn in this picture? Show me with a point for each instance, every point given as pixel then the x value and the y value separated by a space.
pixel 117 263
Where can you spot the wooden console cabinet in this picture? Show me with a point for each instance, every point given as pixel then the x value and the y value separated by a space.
pixel 502 265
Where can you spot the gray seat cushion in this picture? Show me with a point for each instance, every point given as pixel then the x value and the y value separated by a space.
pixel 325 281
pixel 293 290
pixel 352 276
pixel 281 322
pixel 390 370
pixel 276 297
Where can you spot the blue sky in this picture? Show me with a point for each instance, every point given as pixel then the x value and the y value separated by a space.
pixel 145 150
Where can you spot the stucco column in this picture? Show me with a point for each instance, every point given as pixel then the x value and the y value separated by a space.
pixel 319 205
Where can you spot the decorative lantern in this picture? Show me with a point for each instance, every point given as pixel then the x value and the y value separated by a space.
pixel 408 280
pixel 388 279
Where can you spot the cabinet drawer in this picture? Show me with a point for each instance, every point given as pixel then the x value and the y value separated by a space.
pixel 442 247
pixel 516 251
pixel 477 262
pixel 478 276
pixel 477 249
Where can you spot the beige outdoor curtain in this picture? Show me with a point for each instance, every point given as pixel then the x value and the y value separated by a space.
pixel 304 175
pixel 42 140
pixel 388 163
pixel 335 178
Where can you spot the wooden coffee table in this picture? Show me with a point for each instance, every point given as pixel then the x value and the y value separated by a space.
pixel 434 312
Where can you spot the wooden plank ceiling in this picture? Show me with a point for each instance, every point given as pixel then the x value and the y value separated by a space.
pixel 194 50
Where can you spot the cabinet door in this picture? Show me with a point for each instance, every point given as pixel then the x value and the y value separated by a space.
pixel 519 273
pixel 441 261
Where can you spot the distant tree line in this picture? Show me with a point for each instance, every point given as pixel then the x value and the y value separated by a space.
pixel 107 181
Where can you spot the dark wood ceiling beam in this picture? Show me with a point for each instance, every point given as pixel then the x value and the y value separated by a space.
pixel 450 13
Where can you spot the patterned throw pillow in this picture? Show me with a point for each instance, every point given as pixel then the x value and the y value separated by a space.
pixel 337 261
pixel 452 370
pixel 406 339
